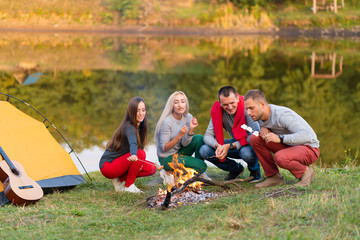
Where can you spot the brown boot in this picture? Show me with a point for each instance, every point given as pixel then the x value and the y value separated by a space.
pixel 271 181
pixel 306 178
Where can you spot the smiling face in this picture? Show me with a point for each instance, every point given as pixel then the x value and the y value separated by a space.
pixel 141 112
pixel 179 106
pixel 254 108
pixel 229 104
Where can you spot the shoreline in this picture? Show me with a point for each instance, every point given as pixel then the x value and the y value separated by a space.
pixel 292 32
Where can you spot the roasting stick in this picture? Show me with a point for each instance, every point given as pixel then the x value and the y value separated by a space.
pixel 157 167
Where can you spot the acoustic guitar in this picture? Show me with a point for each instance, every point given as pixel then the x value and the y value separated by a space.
pixel 18 187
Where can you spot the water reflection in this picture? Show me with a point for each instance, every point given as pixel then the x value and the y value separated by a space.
pixel 27 73
pixel 326 59
pixel 87 81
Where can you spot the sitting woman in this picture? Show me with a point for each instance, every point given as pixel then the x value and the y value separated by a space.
pixel 174 134
pixel 124 158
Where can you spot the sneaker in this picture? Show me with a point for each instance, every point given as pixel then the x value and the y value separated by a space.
pixel 271 181
pixel 256 176
pixel 234 174
pixel 167 179
pixel 205 176
pixel 132 188
pixel 306 178
pixel 118 185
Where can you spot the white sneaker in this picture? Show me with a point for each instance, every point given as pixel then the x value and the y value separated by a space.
pixel 167 179
pixel 132 188
pixel 118 185
pixel 205 176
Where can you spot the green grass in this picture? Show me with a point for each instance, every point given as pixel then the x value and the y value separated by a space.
pixel 328 209
pixel 303 17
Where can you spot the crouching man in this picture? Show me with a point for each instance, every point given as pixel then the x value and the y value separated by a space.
pixel 287 135
pixel 229 113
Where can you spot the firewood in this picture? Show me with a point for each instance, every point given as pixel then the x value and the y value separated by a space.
pixel 167 200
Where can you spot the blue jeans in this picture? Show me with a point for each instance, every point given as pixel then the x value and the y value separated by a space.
pixel 245 153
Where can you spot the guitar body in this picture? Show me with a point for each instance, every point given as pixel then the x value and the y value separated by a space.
pixel 18 187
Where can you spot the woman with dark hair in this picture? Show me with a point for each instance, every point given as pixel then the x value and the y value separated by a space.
pixel 124 158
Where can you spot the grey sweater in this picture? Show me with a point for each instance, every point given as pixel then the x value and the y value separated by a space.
pixel 296 131
pixel 170 129
pixel 228 123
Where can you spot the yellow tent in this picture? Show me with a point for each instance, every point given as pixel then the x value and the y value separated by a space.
pixel 28 142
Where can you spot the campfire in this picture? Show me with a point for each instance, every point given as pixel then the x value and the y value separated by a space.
pixel 187 188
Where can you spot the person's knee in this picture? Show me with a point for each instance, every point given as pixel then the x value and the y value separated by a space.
pixel 247 154
pixel 153 170
pixel 201 168
pixel 254 140
pixel 141 154
pixel 206 151
pixel 198 139
pixel 165 164
pixel 280 160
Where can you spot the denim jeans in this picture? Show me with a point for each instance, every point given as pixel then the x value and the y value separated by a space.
pixel 245 153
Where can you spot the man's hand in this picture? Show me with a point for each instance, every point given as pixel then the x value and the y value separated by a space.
pixel 222 151
pixel 271 137
pixel 264 131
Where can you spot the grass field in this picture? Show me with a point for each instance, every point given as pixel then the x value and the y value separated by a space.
pixel 328 209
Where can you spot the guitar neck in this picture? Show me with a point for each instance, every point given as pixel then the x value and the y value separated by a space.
pixel 7 159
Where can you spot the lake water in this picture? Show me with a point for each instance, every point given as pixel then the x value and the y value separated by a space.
pixel 82 82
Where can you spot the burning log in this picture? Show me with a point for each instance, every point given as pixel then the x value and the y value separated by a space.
pixel 188 179
pixel 167 200
pixel 164 200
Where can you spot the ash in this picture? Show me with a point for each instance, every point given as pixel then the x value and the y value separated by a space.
pixel 183 198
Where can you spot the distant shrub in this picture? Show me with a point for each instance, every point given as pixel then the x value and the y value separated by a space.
pixel 127 9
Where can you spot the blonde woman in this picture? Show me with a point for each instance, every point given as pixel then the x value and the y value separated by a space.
pixel 174 133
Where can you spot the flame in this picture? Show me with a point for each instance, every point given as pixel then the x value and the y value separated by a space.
pixel 182 174
pixel 162 192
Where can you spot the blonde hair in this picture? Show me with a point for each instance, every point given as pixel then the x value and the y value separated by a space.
pixel 169 107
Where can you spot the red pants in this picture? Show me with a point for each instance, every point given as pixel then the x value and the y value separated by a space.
pixel 293 158
pixel 127 170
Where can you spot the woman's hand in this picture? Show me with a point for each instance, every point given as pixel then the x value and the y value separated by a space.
pixel 132 158
pixel 183 131
pixel 193 124
pixel 176 139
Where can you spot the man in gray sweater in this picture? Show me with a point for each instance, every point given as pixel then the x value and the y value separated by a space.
pixel 287 135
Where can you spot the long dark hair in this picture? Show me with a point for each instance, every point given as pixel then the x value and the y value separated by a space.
pixel 130 118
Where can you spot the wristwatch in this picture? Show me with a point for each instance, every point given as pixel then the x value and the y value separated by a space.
pixel 231 146
pixel 281 138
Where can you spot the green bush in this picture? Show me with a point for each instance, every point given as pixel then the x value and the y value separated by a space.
pixel 127 9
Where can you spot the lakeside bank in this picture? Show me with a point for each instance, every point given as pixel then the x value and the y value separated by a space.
pixel 290 32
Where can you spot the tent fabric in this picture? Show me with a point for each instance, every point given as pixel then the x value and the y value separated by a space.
pixel 28 142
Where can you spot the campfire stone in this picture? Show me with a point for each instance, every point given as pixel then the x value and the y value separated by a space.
pixel 187 197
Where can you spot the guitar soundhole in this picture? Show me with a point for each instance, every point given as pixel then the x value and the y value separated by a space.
pixel 15 171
